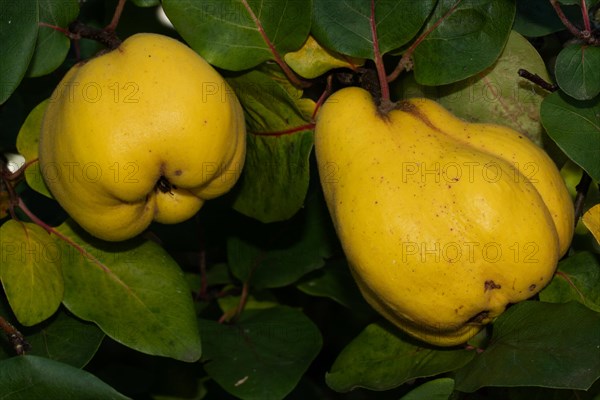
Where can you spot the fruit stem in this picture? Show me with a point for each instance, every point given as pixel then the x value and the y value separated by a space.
pixel 106 37
pixel 383 83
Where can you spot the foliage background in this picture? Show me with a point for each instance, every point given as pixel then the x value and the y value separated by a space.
pixel 252 298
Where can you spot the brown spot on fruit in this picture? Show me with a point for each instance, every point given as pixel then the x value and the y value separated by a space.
pixel 532 287
pixel 490 285
pixel 178 172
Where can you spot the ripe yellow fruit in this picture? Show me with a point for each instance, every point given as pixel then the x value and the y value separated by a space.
pixel 147 131
pixel 444 222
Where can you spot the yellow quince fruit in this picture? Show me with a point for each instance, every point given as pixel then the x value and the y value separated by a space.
pixel 146 132
pixel 444 222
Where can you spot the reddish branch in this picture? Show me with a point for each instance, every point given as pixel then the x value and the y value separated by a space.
pixel 296 81
pixel 290 131
pixel 584 35
pixel 378 58
pixel 16 338
pixel 405 61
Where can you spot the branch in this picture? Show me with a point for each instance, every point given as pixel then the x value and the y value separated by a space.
pixel 405 61
pixel 378 58
pixel 582 189
pixel 291 75
pixel 16 338
pixel 538 80
pixel 585 35
pixel 116 16
pixel 290 131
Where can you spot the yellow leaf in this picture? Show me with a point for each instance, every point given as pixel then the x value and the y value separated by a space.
pixel 591 219
pixel 312 60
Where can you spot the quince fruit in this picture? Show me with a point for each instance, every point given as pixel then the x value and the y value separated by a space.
pixel 444 222
pixel 146 132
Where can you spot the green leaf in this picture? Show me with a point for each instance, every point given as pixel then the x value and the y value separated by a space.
pixel 62 338
pixel 577 279
pixel 575 127
pixel 335 281
pixel 28 143
pixel 577 68
pixel 52 46
pixel 537 18
pixel 437 389
pixel 31 377
pixel 264 355
pixel 466 42
pixel 227 36
pixel 538 344
pixel 18 33
pixel 278 254
pixel 380 359
pixel 276 171
pixel 30 271
pixel 134 291
pixel 344 26
pixel 498 95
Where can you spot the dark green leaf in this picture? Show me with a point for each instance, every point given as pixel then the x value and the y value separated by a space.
pixel 380 359
pixel 335 282
pixel 276 172
pixel 32 378
pixel 466 42
pixel 62 338
pixel 538 344
pixel 438 389
pixel 262 356
pixel 30 271
pixel 577 278
pixel 278 254
pixel 226 34
pixel 52 46
pixel 537 18
pixel 134 291
pixel 344 26
pixel 577 68
pixel 18 33
pixel 575 127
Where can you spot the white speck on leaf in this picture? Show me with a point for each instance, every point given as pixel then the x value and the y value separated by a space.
pixel 241 381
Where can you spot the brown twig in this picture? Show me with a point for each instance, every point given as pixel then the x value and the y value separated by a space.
pixel 107 37
pixel 538 80
pixel 116 16
pixel 582 189
pixel 16 338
